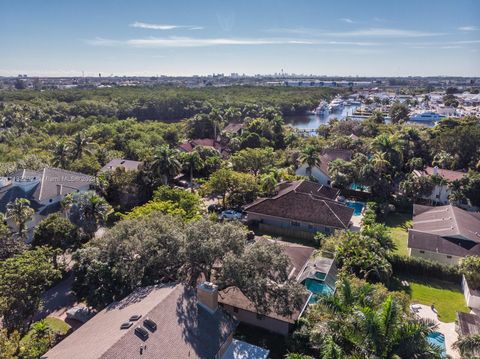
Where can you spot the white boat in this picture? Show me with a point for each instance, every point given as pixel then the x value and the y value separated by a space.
pixel 322 109
pixel 336 105
pixel 427 116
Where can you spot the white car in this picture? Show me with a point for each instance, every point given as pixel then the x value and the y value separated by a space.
pixel 82 314
pixel 230 214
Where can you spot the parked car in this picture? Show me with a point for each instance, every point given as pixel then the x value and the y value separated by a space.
pixel 82 314
pixel 231 214
pixel 215 208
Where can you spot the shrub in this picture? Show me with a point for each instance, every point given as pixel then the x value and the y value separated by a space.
pixel 470 267
pixel 424 268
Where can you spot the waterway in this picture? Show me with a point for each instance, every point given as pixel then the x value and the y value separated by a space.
pixel 311 122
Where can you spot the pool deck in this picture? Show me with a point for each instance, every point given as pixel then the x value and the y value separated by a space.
pixel 447 329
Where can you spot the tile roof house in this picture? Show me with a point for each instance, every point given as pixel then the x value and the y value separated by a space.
pixel 234 128
pixel 236 303
pixel 440 193
pixel 115 163
pixel 44 189
pixel 320 173
pixel 300 209
pixel 189 145
pixel 444 234
pixel 174 322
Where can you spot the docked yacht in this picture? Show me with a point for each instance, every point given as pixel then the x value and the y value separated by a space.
pixel 427 116
pixel 322 109
pixel 336 105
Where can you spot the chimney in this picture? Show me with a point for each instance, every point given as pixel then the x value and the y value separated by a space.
pixel 435 170
pixel 207 295
pixel 59 189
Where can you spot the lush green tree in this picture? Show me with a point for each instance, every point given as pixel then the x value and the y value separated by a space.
pixel 56 232
pixel 20 212
pixel 377 117
pixel 61 153
pixel 399 113
pixel 192 162
pixel 87 210
pixel 416 187
pixel 470 267
pixel 253 160
pixel 165 164
pixel 121 188
pixel 236 188
pixel 268 184
pixel 80 145
pixel 40 339
pixel 23 279
pixel 9 344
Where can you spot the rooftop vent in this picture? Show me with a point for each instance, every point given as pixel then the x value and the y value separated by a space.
pixel 135 317
pixel 126 325
pixel 141 332
pixel 150 325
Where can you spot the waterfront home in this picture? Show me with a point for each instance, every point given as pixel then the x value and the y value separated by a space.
pixel 45 189
pixel 441 191
pixel 444 234
pixel 300 209
pixel 163 321
pixel 243 309
pixel 320 173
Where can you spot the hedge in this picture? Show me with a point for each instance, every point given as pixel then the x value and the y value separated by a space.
pixel 424 268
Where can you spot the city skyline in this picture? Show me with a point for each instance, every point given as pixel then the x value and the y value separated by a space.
pixel 148 38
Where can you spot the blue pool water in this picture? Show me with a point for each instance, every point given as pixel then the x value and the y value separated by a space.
pixel 358 187
pixel 357 207
pixel 317 288
pixel 438 339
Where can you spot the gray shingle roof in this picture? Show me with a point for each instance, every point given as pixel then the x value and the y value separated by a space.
pixel 129 165
pixel 184 329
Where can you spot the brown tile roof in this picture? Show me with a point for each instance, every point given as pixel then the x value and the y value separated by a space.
pixel 305 201
pixel 445 229
pixel 188 146
pixel 469 324
pixel 233 127
pixel 446 174
pixel 184 329
pixel 129 165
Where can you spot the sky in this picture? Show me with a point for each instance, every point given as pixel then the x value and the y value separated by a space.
pixel 177 37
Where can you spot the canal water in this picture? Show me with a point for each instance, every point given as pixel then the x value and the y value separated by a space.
pixel 311 122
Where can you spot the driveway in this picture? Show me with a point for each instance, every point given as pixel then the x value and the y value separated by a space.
pixel 447 329
pixel 57 299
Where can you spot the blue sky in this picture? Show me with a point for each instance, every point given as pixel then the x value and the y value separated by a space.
pixel 147 37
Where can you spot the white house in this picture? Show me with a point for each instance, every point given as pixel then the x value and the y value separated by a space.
pixel 320 173
pixel 44 189
pixel 440 193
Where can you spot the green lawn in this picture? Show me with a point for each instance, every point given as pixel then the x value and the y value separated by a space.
pixel 398 223
pixel 56 325
pixel 447 297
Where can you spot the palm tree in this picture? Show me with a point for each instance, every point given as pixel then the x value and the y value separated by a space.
pixel 469 346
pixel 60 155
pixel 268 184
pixel 192 161
pixel 165 164
pixel 380 162
pixel 20 212
pixel 80 144
pixel 310 156
pixel 87 210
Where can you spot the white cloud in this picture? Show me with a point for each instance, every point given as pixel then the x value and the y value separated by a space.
pixel 173 41
pixel 468 28
pixel 347 20
pixel 144 25
pixel 384 32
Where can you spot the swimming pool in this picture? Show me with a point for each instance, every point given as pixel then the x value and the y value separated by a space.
pixel 317 288
pixel 438 339
pixel 357 207
pixel 359 187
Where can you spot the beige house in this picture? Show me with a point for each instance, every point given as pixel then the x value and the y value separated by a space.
pixel 444 234
pixel 440 192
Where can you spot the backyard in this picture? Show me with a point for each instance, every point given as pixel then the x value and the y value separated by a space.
pixel 447 297
pixel 398 223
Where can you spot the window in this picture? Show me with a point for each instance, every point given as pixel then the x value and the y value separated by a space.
pixel 294 224
pixel 311 226
pixel 422 251
pixel 438 196
pixel 235 309
pixel 449 257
